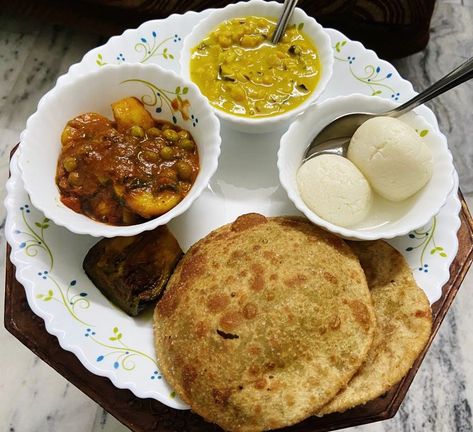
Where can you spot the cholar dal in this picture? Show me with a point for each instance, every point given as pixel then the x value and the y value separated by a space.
pixel 241 72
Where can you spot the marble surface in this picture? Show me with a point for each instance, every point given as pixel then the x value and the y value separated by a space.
pixel 34 398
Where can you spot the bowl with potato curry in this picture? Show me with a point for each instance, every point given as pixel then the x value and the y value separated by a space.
pixel 120 150
pixel 254 85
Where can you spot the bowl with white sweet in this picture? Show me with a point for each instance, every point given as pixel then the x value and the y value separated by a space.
pixel 397 173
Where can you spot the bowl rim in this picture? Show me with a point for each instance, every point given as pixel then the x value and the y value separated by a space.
pixel 95 228
pixel 323 45
pixel 362 234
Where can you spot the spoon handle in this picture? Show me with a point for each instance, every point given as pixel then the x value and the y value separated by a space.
pixel 288 8
pixel 462 73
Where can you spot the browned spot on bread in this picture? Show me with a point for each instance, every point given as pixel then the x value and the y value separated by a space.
pixel 168 303
pixel 253 349
pixel 201 329
pixel 273 277
pixel 237 254
pixel 256 247
pixel 330 277
pixel 217 302
pixel 250 310
pixel 230 321
pixel 189 374
pixel 257 281
pixel 270 255
pixel 336 242
pixel 193 268
pixel 260 383
pixel 296 280
pixel 290 401
pixel 334 323
pixel 247 221
pixel 254 369
pixel 221 396
pixel 423 314
pixel 223 235
pixel 243 273
pixel 294 223
pixel 360 313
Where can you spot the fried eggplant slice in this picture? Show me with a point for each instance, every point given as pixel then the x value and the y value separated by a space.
pixel 133 271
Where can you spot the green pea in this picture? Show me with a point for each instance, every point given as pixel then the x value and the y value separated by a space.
pixel 151 156
pixel 74 178
pixel 171 135
pixel 154 132
pixel 70 163
pixel 137 131
pixel 183 134
pixel 166 153
pixel 186 144
pixel 184 170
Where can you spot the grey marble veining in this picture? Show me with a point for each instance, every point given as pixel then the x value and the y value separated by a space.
pixel 34 398
pixel 451 43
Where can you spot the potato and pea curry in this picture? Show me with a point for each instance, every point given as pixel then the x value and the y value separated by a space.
pixel 125 171
pixel 241 72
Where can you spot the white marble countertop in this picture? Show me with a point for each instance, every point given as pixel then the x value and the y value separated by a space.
pixel 34 398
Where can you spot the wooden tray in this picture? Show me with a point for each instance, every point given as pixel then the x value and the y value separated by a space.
pixel 150 415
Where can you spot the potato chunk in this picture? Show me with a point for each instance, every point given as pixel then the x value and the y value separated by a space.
pixel 130 112
pixel 149 205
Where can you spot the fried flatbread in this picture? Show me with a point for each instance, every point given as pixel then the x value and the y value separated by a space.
pixel 263 322
pixel 404 321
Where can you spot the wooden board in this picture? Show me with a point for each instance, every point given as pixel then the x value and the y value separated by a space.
pixel 150 415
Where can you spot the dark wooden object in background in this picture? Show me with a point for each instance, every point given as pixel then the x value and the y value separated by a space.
pixel 142 415
pixel 393 28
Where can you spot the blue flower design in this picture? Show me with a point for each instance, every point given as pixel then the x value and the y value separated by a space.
pixel 88 333
pixel 156 375
pixel 425 268
pixel 43 274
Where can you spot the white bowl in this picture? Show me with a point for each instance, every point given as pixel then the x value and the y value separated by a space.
pixel 95 91
pixel 264 9
pixel 406 216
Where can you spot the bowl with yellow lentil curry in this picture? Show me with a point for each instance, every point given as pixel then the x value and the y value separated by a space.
pixel 254 85
pixel 119 150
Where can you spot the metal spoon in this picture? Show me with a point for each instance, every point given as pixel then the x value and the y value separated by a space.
pixel 287 10
pixel 335 137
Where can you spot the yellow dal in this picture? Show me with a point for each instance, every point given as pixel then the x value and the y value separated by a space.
pixel 238 69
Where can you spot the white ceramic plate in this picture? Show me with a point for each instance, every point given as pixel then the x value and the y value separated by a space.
pixel 48 258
